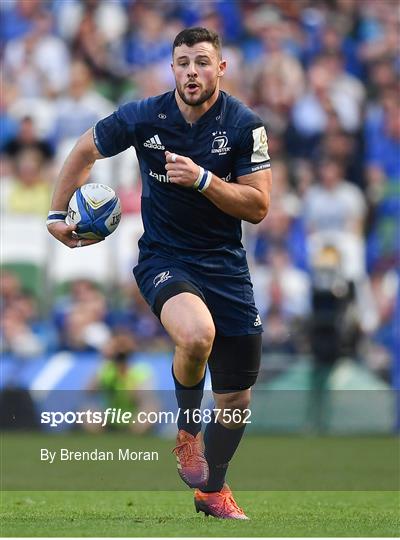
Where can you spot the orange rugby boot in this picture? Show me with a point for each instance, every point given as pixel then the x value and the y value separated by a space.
pixel 191 463
pixel 219 504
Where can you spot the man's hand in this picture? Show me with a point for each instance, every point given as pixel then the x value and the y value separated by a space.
pixel 181 170
pixel 66 235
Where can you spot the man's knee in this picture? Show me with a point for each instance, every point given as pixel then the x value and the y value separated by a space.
pixel 234 400
pixel 233 408
pixel 190 325
pixel 196 340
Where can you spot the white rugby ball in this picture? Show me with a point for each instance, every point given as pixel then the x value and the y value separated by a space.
pixel 95 209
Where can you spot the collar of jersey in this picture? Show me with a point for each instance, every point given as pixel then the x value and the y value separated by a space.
pixel 216 109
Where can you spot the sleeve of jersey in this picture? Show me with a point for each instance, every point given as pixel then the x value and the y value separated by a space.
pixel 115 133
pixel 253 151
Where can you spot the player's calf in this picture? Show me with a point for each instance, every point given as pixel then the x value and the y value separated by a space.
pixel 223 435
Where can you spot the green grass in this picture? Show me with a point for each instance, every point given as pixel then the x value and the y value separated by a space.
pixel 317 486
pixel 172 514
pixel 262 463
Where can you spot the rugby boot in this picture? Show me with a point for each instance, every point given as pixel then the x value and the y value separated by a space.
pixel 219 504
pixel 191 463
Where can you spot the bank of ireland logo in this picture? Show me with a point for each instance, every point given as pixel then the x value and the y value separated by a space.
pixel 161 277
pixel 158 176
pixel 220 143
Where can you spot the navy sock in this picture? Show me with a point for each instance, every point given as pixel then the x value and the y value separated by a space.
pixel 220 445
pixel 188 398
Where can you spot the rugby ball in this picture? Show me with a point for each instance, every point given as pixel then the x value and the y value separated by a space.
pixel 95 209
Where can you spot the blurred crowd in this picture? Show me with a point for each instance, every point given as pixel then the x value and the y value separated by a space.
pixel 324 77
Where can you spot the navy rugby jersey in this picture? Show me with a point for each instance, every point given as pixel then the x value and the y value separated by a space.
pixel 229 140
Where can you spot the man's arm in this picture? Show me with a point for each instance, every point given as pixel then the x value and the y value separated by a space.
pixel 248 199
pixel 73 174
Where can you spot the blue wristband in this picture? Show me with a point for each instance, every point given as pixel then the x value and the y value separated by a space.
pixel 203 181
pixel 56 215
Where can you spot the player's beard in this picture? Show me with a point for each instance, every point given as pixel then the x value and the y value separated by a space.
pixel 204 96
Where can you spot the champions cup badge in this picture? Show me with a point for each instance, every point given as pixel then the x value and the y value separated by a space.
pixel 220 143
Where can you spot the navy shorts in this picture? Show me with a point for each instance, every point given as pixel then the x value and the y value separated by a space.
pixel 229 299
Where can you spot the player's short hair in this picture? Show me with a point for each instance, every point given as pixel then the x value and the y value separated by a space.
pixel 197 34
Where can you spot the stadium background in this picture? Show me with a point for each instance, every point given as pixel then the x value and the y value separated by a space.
pixel 323 75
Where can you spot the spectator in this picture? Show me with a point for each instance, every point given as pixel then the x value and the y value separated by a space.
pixel 382 141
pixel 137 317
pixel 382 75
pixel 334 204
pixel 332 95
pixel 85 329
pixel 344 148
pixel 280 80
pixel 38 61
pixel 22 333
pixel 281 228
pixel 148 41
pixel 99 25
pixel 28 192
pixel 277 337
pixel 10 288
pixel 81 107
pixel 125 385
pixel 281 284
pixel 9 125
pixel 378 31
pixel 27 138
pixel 109 18
pixel 309 115
pixel 346 93
pixel 17 18
pixel 78 111
pixel 383 343
pixel 82 318
pixel 282 192
pixel 282 294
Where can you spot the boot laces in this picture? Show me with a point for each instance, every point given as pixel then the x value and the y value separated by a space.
pixel 229 503
pixel 184 449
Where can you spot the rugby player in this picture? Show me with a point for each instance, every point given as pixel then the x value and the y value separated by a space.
pixel 205 166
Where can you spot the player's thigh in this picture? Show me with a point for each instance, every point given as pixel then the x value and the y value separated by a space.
pixel 159 280
pixel 187 320
pixel 176 298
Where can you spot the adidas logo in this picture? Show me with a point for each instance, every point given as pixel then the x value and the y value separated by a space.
pixel 155 143
pixel 257 322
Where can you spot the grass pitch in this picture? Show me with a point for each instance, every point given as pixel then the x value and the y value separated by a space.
pixel 328 486
pixel 172 514
pixel 270 462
